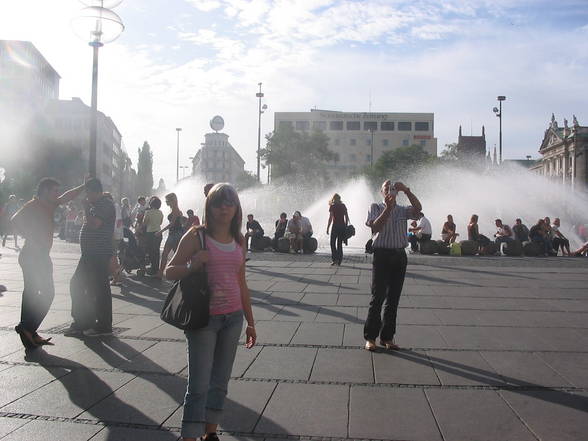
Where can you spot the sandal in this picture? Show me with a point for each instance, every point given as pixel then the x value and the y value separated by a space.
pixel 389 344
pixel 26 337
pixel 40 341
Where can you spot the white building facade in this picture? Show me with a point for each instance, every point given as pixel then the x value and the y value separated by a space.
pixel 356 136
pixel 217 160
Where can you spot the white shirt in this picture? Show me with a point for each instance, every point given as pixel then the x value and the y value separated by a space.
pixel 425 226
pixel 118 223
pixel 305 226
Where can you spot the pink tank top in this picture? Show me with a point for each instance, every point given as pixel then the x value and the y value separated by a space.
pixel 224 263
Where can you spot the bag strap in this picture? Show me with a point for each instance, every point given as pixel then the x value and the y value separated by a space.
pixel 202 238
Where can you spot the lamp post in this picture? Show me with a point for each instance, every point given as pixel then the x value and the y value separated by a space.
pixel 101 25
pixel 498 113
pixel 178 130
pixel 372 147
pixel 261 109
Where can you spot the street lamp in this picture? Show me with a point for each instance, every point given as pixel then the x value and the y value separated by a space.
pixel 372 147
pixel 178 130
pixel 100 25
pixel 259 95
pixel 498 113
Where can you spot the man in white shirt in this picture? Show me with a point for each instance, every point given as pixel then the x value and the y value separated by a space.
pixel 423 231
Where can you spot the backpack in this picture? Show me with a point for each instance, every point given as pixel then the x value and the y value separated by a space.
pixel 455 249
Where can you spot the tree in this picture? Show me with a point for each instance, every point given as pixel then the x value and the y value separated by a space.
pixel 145 170
pixel 245 180
pixel 399 163
pixel 302 155
pixel 449 153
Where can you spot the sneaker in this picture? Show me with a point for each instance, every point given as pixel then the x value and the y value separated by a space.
pixel 370 345
pixel 93 332
pixel 73 331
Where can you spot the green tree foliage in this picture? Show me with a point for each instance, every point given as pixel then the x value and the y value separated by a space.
pixel 399 163
pixel 449 153
pixel 298 155
pixel 145 170
pixel 245 180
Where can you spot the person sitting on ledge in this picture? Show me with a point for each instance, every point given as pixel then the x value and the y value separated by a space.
pixel 293 232
pixel 305 226
pixel 474 234
pixel 448 233
pixel 281 224
pixel 520 230
pixel 502 235
pixel 559 240
pixel 583 251
pixel 253 230
pixel 423 232
pixel 538 234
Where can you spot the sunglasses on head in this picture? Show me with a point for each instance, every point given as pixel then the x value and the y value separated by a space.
pixel 223 202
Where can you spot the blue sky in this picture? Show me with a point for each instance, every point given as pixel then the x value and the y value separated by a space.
pixel 179 62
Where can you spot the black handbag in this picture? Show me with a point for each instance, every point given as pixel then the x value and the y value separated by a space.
pixel 187 303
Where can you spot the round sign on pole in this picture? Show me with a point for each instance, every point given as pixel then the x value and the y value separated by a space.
pixel 217 123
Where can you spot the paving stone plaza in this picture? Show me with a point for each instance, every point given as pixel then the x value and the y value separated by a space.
pixel 492 349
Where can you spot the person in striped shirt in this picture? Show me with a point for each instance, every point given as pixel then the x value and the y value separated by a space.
pixel 388 222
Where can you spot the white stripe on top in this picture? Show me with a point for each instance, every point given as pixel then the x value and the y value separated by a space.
pixel 393 234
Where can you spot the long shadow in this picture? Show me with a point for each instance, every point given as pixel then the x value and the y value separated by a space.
pixel 148 293
pixel 471 270
pixel 438 280
pixel 292 277
pixel 86 390
pixel 490 378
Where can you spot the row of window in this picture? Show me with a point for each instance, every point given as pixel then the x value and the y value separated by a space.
pixel 385 142
pixel 370 126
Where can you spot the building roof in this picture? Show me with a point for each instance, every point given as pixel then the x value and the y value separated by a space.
pixel 11 45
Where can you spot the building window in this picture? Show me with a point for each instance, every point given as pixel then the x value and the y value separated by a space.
pixel 423 142
pixel 368 158
pixel 370 125
pixel 335 125
pixel 302 125
pixel 405 126
pixel 385 142
pixel 405 142
pixel 387 126
pixel 353 141
pixel 353 157
pixel 337 141
pixel 319 125
pixel 285 125
pixel 368 141
pixel 421 126
pixel 353 125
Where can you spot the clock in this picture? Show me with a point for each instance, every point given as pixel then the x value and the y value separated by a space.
pixel 217 123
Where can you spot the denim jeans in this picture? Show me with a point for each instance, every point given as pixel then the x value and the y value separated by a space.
pixel 337 234
pixel 38 292
pixel 211 353
pixel 389 269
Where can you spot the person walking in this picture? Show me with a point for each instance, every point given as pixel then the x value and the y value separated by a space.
pixel 387 221
pixel 339 218
pixel 152 220
pixel 35 222
pixel 91 298
pixel 211 350
pixel 175 228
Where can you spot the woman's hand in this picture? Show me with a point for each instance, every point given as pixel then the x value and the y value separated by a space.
pixel 251 337
pixel 199 259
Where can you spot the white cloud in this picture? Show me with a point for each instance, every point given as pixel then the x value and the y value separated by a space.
pixel 205 5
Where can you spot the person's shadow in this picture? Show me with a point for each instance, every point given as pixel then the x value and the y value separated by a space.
pixel 499 381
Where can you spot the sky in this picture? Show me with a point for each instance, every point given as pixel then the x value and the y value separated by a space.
pixel 180 62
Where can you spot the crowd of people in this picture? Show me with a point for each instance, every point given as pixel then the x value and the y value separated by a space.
pixel 546 234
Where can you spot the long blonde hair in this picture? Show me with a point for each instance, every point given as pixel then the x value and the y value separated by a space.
pixel 336 199
pixel 225 192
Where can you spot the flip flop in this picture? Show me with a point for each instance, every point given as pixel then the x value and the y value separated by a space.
pixel 42 341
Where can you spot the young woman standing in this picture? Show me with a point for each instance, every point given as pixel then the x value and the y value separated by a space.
pixel 211 350
pixel 339 218
pixel 175 228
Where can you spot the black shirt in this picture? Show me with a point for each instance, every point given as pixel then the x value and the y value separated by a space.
pixel 254 225
pixel 98 241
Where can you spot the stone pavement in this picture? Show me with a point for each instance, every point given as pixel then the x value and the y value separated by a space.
pixel 493 349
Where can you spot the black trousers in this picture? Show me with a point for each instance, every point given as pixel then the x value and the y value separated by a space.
pixel 38 292
pixel 414 241
pixel 91 299
pixel 337 235
pixel 153 250
pixel 389 269
pixel 559 242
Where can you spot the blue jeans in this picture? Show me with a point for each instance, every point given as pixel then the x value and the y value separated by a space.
pixel 211 353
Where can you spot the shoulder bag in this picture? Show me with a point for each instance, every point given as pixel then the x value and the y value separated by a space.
pixel 187 303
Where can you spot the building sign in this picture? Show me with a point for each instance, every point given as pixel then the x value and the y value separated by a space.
pixel 422 137
pixel 372 116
